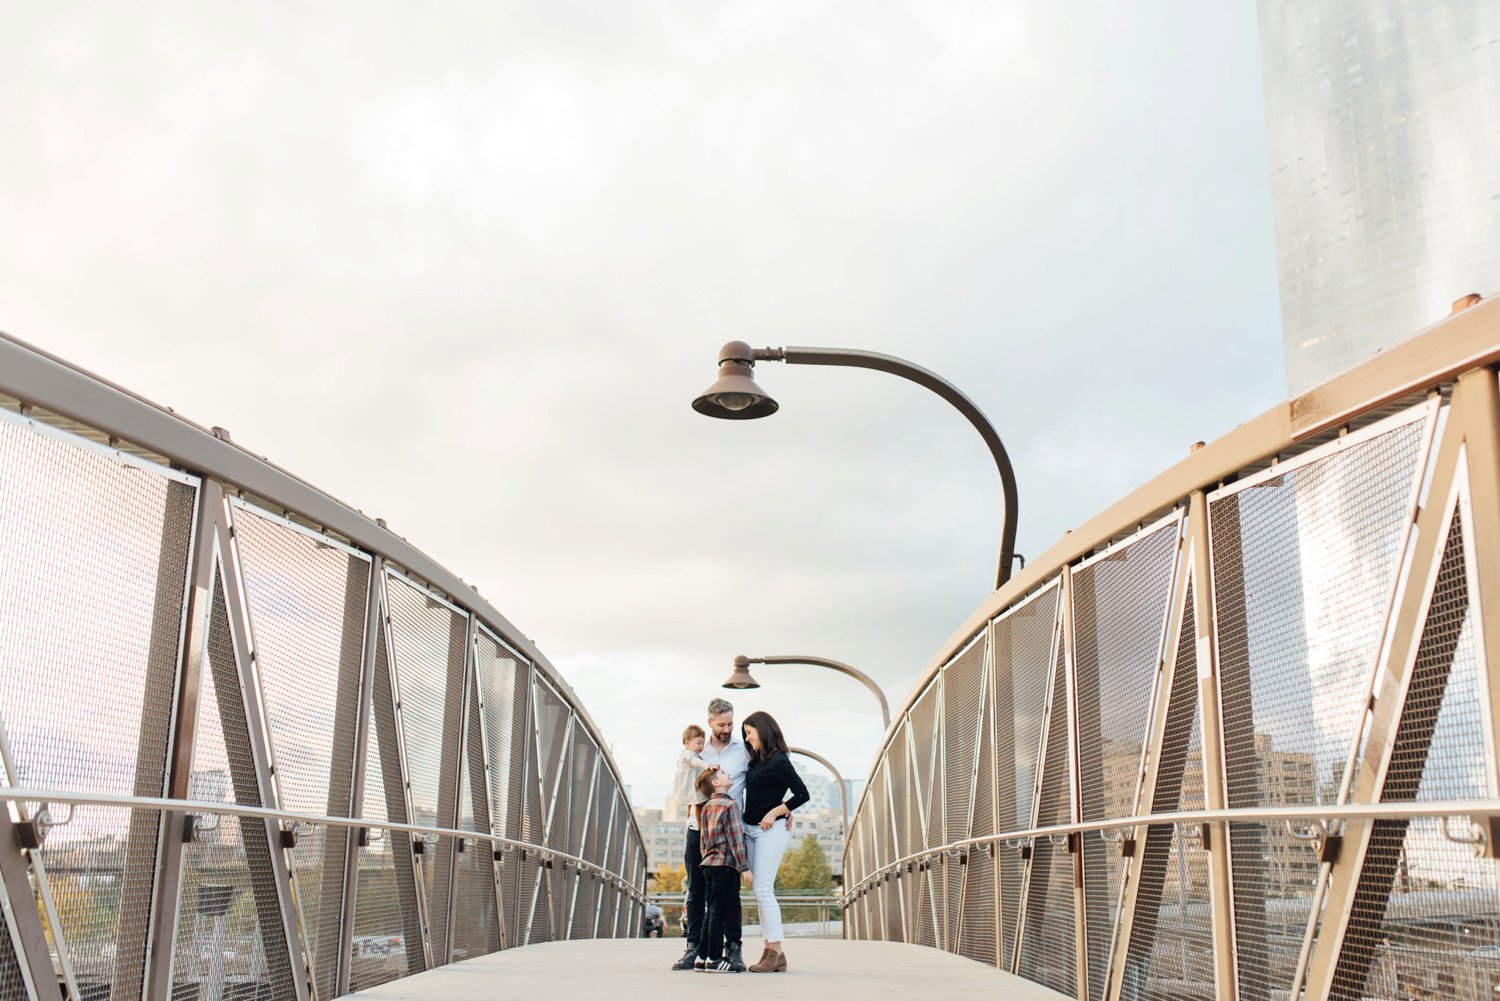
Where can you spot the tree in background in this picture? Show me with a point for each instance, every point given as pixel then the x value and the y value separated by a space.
pixel 669 878
pixel 805 868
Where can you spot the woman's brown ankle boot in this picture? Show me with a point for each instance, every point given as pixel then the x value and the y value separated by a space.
pixel 766 963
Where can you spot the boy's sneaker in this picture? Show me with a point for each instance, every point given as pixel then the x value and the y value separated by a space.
pixel 686 962
pixel 722 966
pixel 700 964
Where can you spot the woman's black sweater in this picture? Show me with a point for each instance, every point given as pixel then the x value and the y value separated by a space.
pixel 766 785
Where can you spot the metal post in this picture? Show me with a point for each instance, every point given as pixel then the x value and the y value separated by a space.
pixel 1215 796
pixel 154 751
pixel 937 799
pixel 386 713
pixel 334 935
pixel 283 914
pixel 845 358
pixel 1151 766
pixel 1048 701
pixel 166 900
pixel 1480 396
pixel 461 640
pixel 362 730
pixel 29 937
pixel 1075 793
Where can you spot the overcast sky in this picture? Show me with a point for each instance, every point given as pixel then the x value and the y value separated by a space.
pixel 465 266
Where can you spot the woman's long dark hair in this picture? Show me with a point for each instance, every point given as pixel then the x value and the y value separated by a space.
pixel 772 742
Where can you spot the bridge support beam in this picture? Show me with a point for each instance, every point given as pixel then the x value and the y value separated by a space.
pixel 1215 789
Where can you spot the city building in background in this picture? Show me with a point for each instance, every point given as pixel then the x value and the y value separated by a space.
pixel 1385 169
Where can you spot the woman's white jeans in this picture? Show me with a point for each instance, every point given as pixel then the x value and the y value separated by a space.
pixel 765 849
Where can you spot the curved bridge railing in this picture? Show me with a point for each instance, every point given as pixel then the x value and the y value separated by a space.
pixel 1235 737
pixel 252 744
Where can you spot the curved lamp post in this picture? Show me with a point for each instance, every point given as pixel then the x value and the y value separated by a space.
pixel 843 793
pixel 741 677
pixel 735 396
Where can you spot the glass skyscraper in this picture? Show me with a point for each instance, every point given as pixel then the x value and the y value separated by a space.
pixel 1384 125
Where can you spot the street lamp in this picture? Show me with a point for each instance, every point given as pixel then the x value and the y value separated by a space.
pixel 843 793
pixel 735 396
pixel 741 678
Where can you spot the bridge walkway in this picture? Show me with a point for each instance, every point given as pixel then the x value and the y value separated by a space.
pixel 639 968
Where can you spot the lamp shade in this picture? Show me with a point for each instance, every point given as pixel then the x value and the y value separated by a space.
pixel 734 396
pixel 741 677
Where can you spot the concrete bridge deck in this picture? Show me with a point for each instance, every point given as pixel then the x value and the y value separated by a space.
pixel 638 968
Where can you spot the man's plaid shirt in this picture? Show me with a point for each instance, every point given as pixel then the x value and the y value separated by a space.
pixel 723 839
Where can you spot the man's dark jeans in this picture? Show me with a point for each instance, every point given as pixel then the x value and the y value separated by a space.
pixel 692 859
pixel 722 924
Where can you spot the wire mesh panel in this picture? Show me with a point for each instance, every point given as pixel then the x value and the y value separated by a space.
pixel 387 918
pixel 230 936
pixel 545 822
pixel 306 601
pixel 608 820
pixel 891 894
pixel 1120 601
pixel 553 725
pixel 979 915
pixel 1170 952
pixel 925 823
pixel 1305 563
pixel 902 805
pixel 586 905
pixel 12 981
pixel 1426 915
pixel 476 921
pixel 504 679
pixel 1048 950
pixel 579 792
pixel 93 576
pixel 534 831
pixel 615 862
pixel 429 638
pixel 963 684
pixel 1022 641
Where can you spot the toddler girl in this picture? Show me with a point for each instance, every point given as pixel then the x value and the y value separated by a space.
pixel 689 767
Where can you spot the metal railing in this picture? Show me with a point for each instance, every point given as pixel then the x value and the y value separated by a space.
pixel 1235 737
pixel 818 910
pixel 254 744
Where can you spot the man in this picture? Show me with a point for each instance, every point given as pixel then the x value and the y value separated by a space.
pixel 727 750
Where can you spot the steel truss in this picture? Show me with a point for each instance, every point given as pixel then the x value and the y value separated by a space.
pixel 1253 756
pixel 295 763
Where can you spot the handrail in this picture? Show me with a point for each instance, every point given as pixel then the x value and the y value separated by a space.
pixel 188 806
pixel 1409 809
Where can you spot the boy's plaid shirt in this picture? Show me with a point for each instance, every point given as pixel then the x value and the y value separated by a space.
pixel 723 839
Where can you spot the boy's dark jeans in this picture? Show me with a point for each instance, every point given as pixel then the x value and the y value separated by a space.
pixel 722 922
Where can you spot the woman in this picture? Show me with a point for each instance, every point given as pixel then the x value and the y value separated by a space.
pixel 768 823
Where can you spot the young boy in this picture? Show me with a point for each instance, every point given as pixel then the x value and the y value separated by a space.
pixel 722 840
